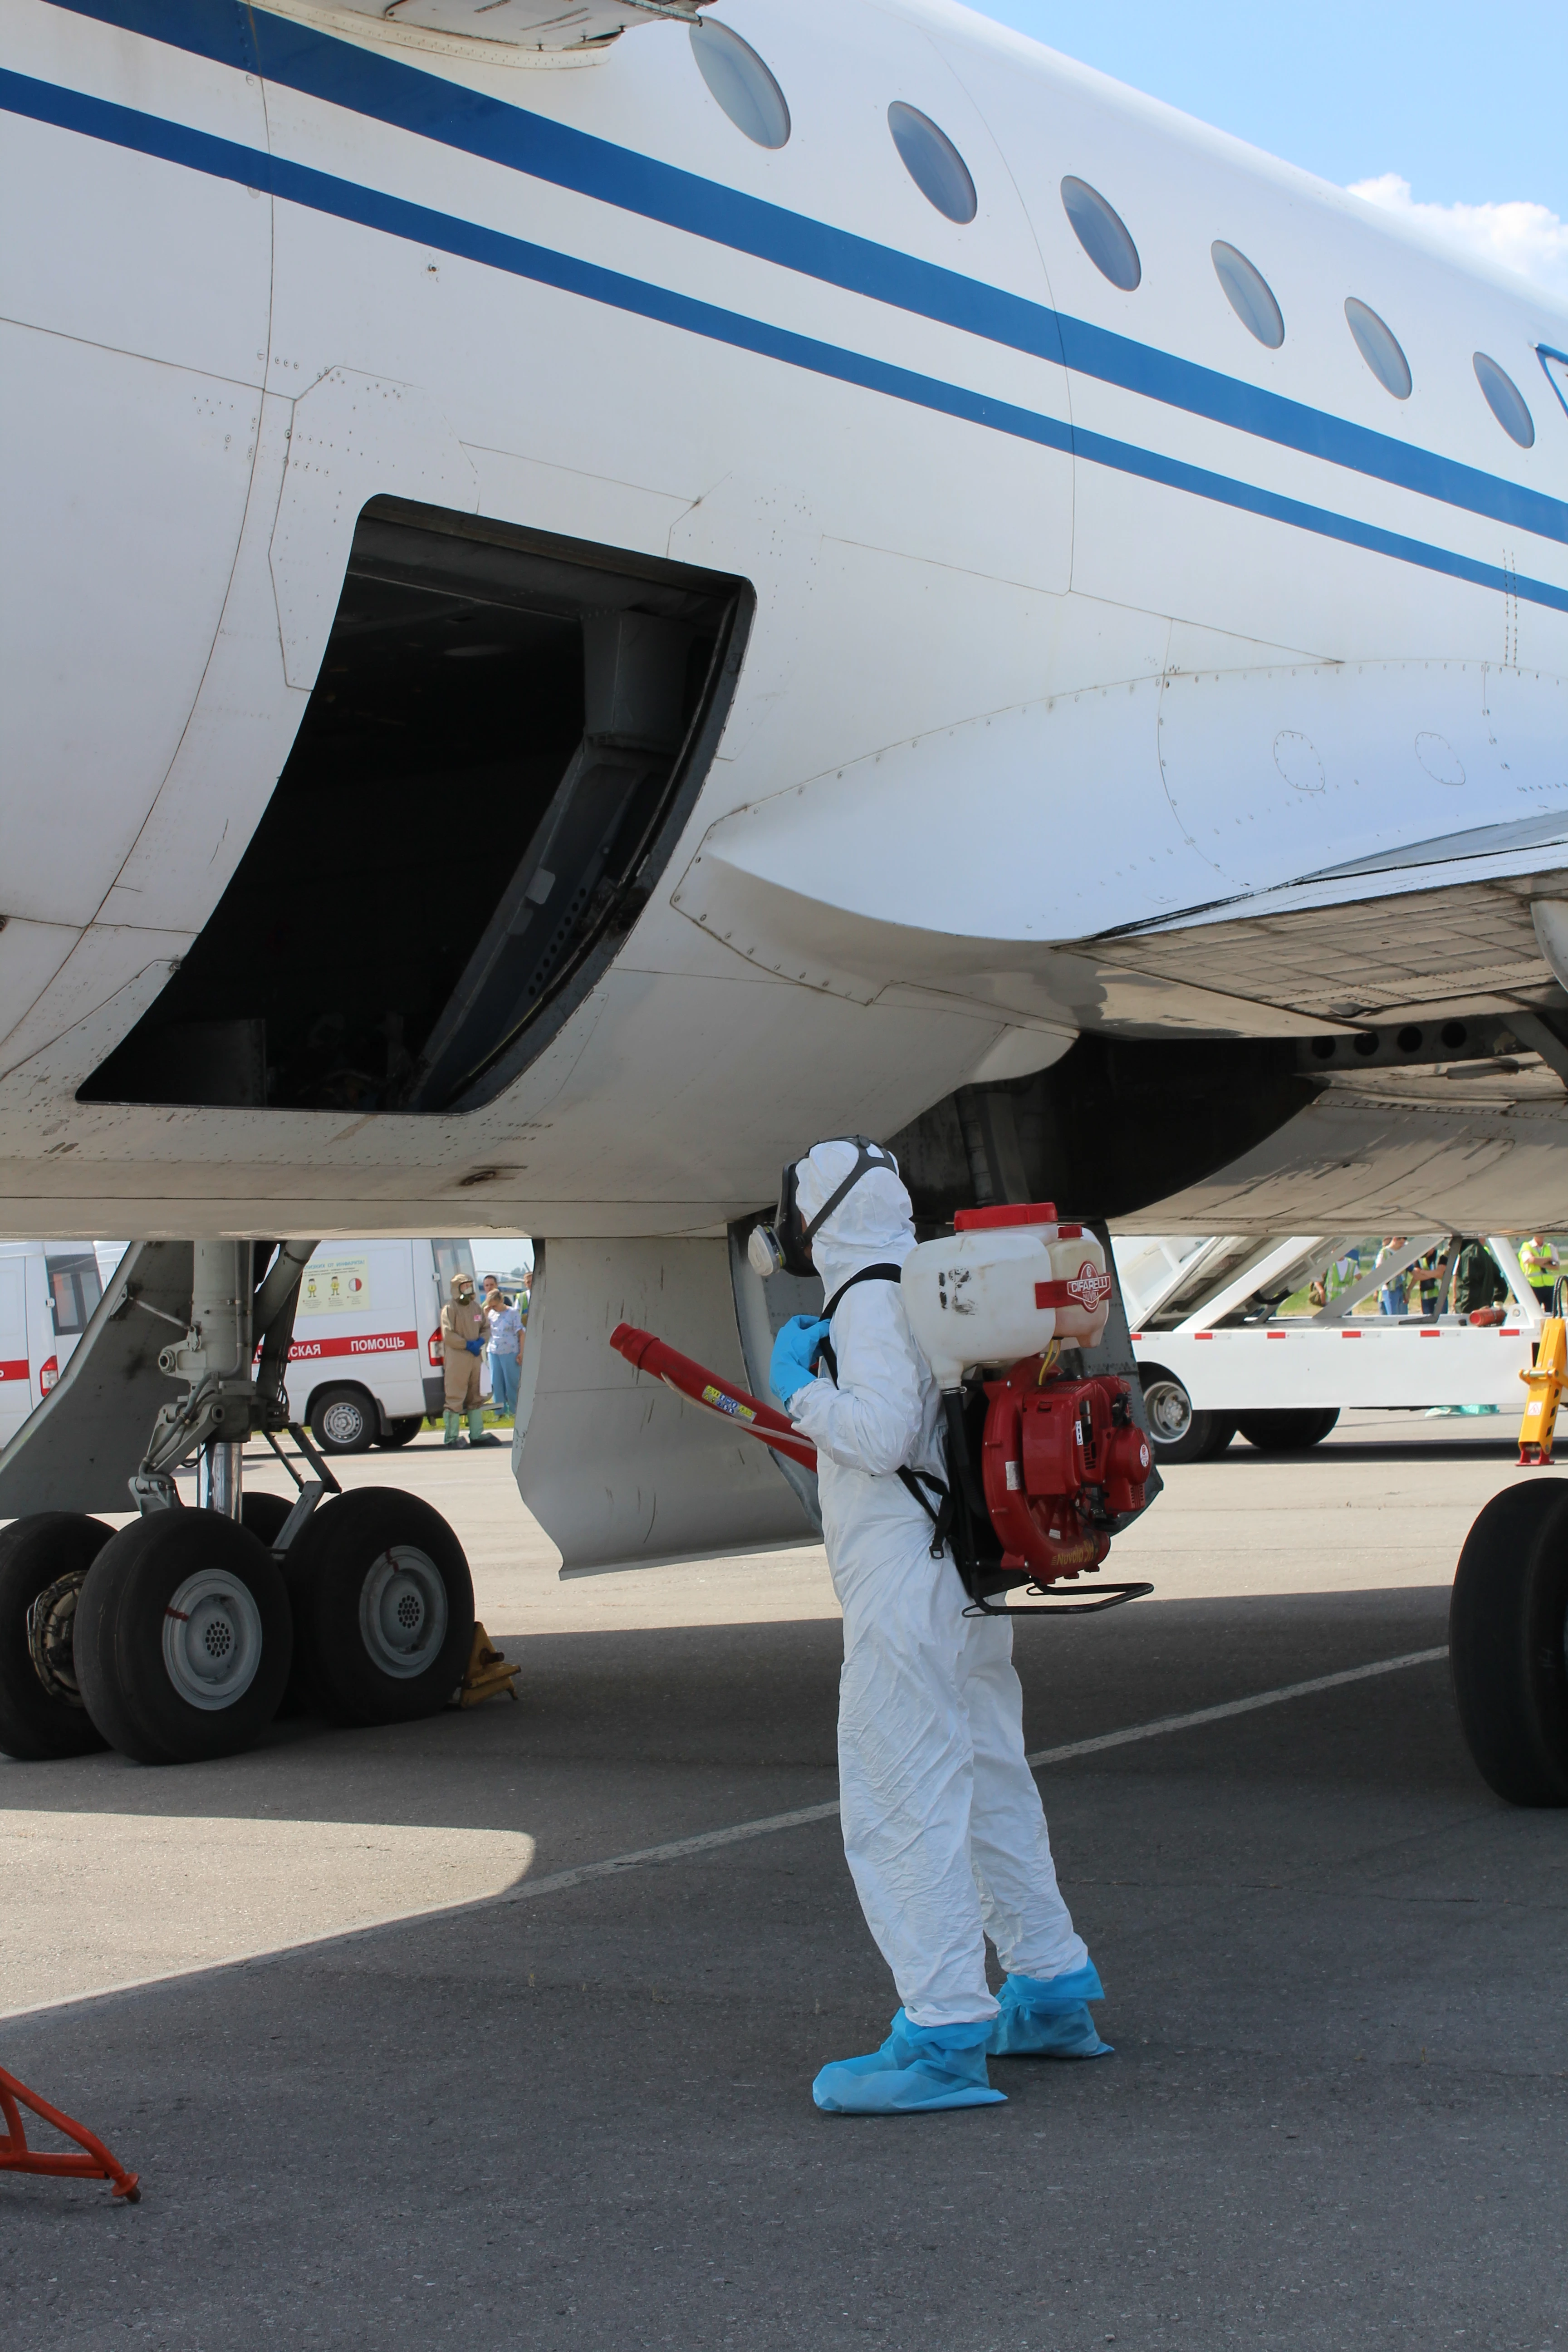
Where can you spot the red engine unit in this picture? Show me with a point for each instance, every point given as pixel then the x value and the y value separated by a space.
pixel 1062 1460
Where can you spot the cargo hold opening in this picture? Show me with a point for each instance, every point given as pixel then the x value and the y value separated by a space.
pixel 505 735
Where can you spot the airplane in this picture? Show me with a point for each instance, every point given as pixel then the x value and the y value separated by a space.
pixel 599 589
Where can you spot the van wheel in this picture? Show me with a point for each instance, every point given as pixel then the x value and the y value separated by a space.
pixel 183 1638
pixel 345 1421
pixel 1287 1433
pixel 43 1562
pixel 1180 1433
pixel 399 1433
pixel 385 1607
pixel 1507 1635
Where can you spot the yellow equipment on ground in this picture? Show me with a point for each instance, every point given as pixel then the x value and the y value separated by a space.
pixel 487 1672
pixel 1545 1383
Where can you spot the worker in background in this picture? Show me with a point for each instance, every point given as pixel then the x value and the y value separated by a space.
pixel 505 1346
pixel 463 1326
pixel 942 1826
pixel 1476 1280
pixel 1540 1265
pixel 1391 1294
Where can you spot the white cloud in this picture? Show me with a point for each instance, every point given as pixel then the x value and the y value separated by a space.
pixel 1521 236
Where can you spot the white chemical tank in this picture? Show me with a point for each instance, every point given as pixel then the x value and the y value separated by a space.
pixel 1009 1282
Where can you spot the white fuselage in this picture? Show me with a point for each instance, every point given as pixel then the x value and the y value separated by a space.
pixel 1076 608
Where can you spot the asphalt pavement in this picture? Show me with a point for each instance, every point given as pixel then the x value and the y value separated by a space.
pixel 401 2060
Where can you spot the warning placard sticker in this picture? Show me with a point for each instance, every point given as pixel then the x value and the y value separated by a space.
pixel 335 1285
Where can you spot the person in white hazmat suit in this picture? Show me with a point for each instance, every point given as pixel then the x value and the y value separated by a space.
pixel 943 1829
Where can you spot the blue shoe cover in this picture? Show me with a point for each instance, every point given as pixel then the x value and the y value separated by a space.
pixel 1048 2016
pixel 917 2068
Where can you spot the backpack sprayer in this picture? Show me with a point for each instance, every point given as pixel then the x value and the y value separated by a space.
pixel 1046 1462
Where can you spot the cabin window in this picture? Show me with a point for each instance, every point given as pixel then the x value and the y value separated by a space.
pixel 1379 347
pixel 741 84
pixel 1249 294
pixel 933 162
pixel 1102 233
pixel 1505 401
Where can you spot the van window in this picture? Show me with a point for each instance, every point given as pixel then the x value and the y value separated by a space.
pixel 452 1258
pixel 74 1290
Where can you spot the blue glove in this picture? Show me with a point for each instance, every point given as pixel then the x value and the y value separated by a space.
pixel 475 1346
pixel 794 1350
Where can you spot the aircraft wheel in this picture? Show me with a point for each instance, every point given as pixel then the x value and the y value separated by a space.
pixel 345 1421
pixel 1507 1628
pixel 183 1638
pixel 262 1516
pixel 43 1562
pixel 1180 1433
pixel 407 1426
pixel 385 1607
pixel 1287 1433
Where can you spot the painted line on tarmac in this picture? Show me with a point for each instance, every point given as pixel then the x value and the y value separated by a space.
pixel 557 1882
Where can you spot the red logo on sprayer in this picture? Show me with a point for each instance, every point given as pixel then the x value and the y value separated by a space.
pixel 1088 1288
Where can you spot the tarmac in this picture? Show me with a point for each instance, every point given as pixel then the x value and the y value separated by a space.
pixel 426 2036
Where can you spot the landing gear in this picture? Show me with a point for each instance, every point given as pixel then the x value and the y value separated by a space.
pixel 183 1638
pixel 1508 1629
pixel 384 1608
pixel 1179 1432
pixel 1287 1433
pixel 43 1563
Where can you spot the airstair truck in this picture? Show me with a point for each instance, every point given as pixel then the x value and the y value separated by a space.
pixel 1276 1337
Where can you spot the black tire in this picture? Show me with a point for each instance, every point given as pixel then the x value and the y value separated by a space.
pixel 1289 1432
pixel 263 1515
pixel 168 1682
pixel 345 1421
pixel 1508 1625
pixel 400 1432
pixel 382 1638
pixel 42 1716
pixel 1193 1436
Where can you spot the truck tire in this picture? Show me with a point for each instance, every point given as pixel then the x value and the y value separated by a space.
pixel 384 1605
pixel 183 1638
pixel 45 1559
pixel 1289 1432
pixel 1179 1432
pixel 1507 1628
pixel 345 1421
pixel 400 1432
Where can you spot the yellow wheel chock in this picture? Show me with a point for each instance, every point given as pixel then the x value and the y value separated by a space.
pixel 1545 1383
pixel 487 1672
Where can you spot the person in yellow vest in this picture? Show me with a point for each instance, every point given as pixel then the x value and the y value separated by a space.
pixel 464 1324
pixel 1541 1266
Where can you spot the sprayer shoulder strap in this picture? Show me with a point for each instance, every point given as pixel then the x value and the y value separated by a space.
pixel 915 1481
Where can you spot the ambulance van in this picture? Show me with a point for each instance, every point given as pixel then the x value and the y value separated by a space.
pixel 365 1366
pixel 47 1290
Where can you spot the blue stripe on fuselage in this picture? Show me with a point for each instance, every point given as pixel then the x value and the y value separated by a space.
pixel 225 159
pixel 362 81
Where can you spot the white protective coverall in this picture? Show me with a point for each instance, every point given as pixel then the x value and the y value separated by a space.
pixel 943 1829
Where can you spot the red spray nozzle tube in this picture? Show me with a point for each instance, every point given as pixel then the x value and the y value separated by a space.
pixel 695 1381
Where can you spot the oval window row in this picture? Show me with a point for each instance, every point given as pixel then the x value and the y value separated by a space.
pixel 742 85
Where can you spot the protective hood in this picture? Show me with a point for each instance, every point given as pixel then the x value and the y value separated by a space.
pixel 462 1287
pixel 873 1225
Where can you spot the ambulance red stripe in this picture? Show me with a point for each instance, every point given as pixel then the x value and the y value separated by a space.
pixel 363 1343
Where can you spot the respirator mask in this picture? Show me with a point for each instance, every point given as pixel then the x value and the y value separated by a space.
pixel 785 1244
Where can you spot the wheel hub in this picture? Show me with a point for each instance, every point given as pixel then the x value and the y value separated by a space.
pixel 343 1423
pixel 212 1639
pixel 51 1629
pixel 402 1612
pixel 1170 1411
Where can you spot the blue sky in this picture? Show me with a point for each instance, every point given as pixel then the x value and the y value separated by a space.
pixel 1467 103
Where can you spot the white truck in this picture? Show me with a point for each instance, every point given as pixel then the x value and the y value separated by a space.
pixel 1218 1353
pixel 47 1290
